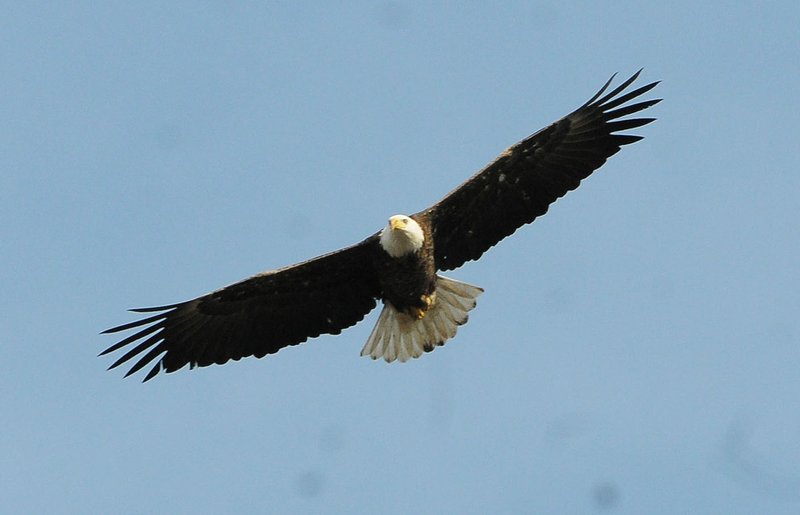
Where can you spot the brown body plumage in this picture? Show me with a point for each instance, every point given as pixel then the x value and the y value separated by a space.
pixel 407 280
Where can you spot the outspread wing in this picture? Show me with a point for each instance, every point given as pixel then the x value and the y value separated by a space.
pixel 525 179
pixel 257 316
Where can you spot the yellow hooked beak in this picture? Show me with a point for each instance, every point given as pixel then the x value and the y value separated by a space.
pixel 397 223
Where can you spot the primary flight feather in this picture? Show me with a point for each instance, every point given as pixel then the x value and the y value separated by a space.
pixel 398 265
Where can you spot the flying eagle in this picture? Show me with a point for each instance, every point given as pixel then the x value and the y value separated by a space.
pixel 398 265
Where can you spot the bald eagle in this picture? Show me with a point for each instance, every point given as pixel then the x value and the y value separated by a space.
pixel 397 265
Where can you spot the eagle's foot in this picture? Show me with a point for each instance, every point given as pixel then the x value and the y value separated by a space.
pixel 419 312
pixel 416 313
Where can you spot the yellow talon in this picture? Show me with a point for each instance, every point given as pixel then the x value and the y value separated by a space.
pixel 419 312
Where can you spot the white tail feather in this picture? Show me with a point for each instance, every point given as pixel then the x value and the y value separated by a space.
pixel 399 336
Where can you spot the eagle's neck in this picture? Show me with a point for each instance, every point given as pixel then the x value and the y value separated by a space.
pixel 401 236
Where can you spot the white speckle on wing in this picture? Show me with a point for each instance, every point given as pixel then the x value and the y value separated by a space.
pixel 501 177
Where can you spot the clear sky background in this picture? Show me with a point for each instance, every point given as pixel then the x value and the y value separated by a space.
pixel 637 349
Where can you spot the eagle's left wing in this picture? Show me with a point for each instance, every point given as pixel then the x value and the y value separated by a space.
pixel 257 316
pixel 525 179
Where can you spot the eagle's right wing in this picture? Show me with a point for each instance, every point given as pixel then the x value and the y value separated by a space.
pixel 257 316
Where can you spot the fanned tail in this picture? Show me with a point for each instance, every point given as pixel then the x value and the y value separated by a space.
pixel 399 336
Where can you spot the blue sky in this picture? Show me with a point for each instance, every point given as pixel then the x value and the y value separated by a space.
pixel 636 350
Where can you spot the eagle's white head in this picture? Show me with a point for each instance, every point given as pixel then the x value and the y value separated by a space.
pixel 401 236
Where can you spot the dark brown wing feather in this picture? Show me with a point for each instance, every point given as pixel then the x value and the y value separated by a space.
pixel 257 316
pixel 523 181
